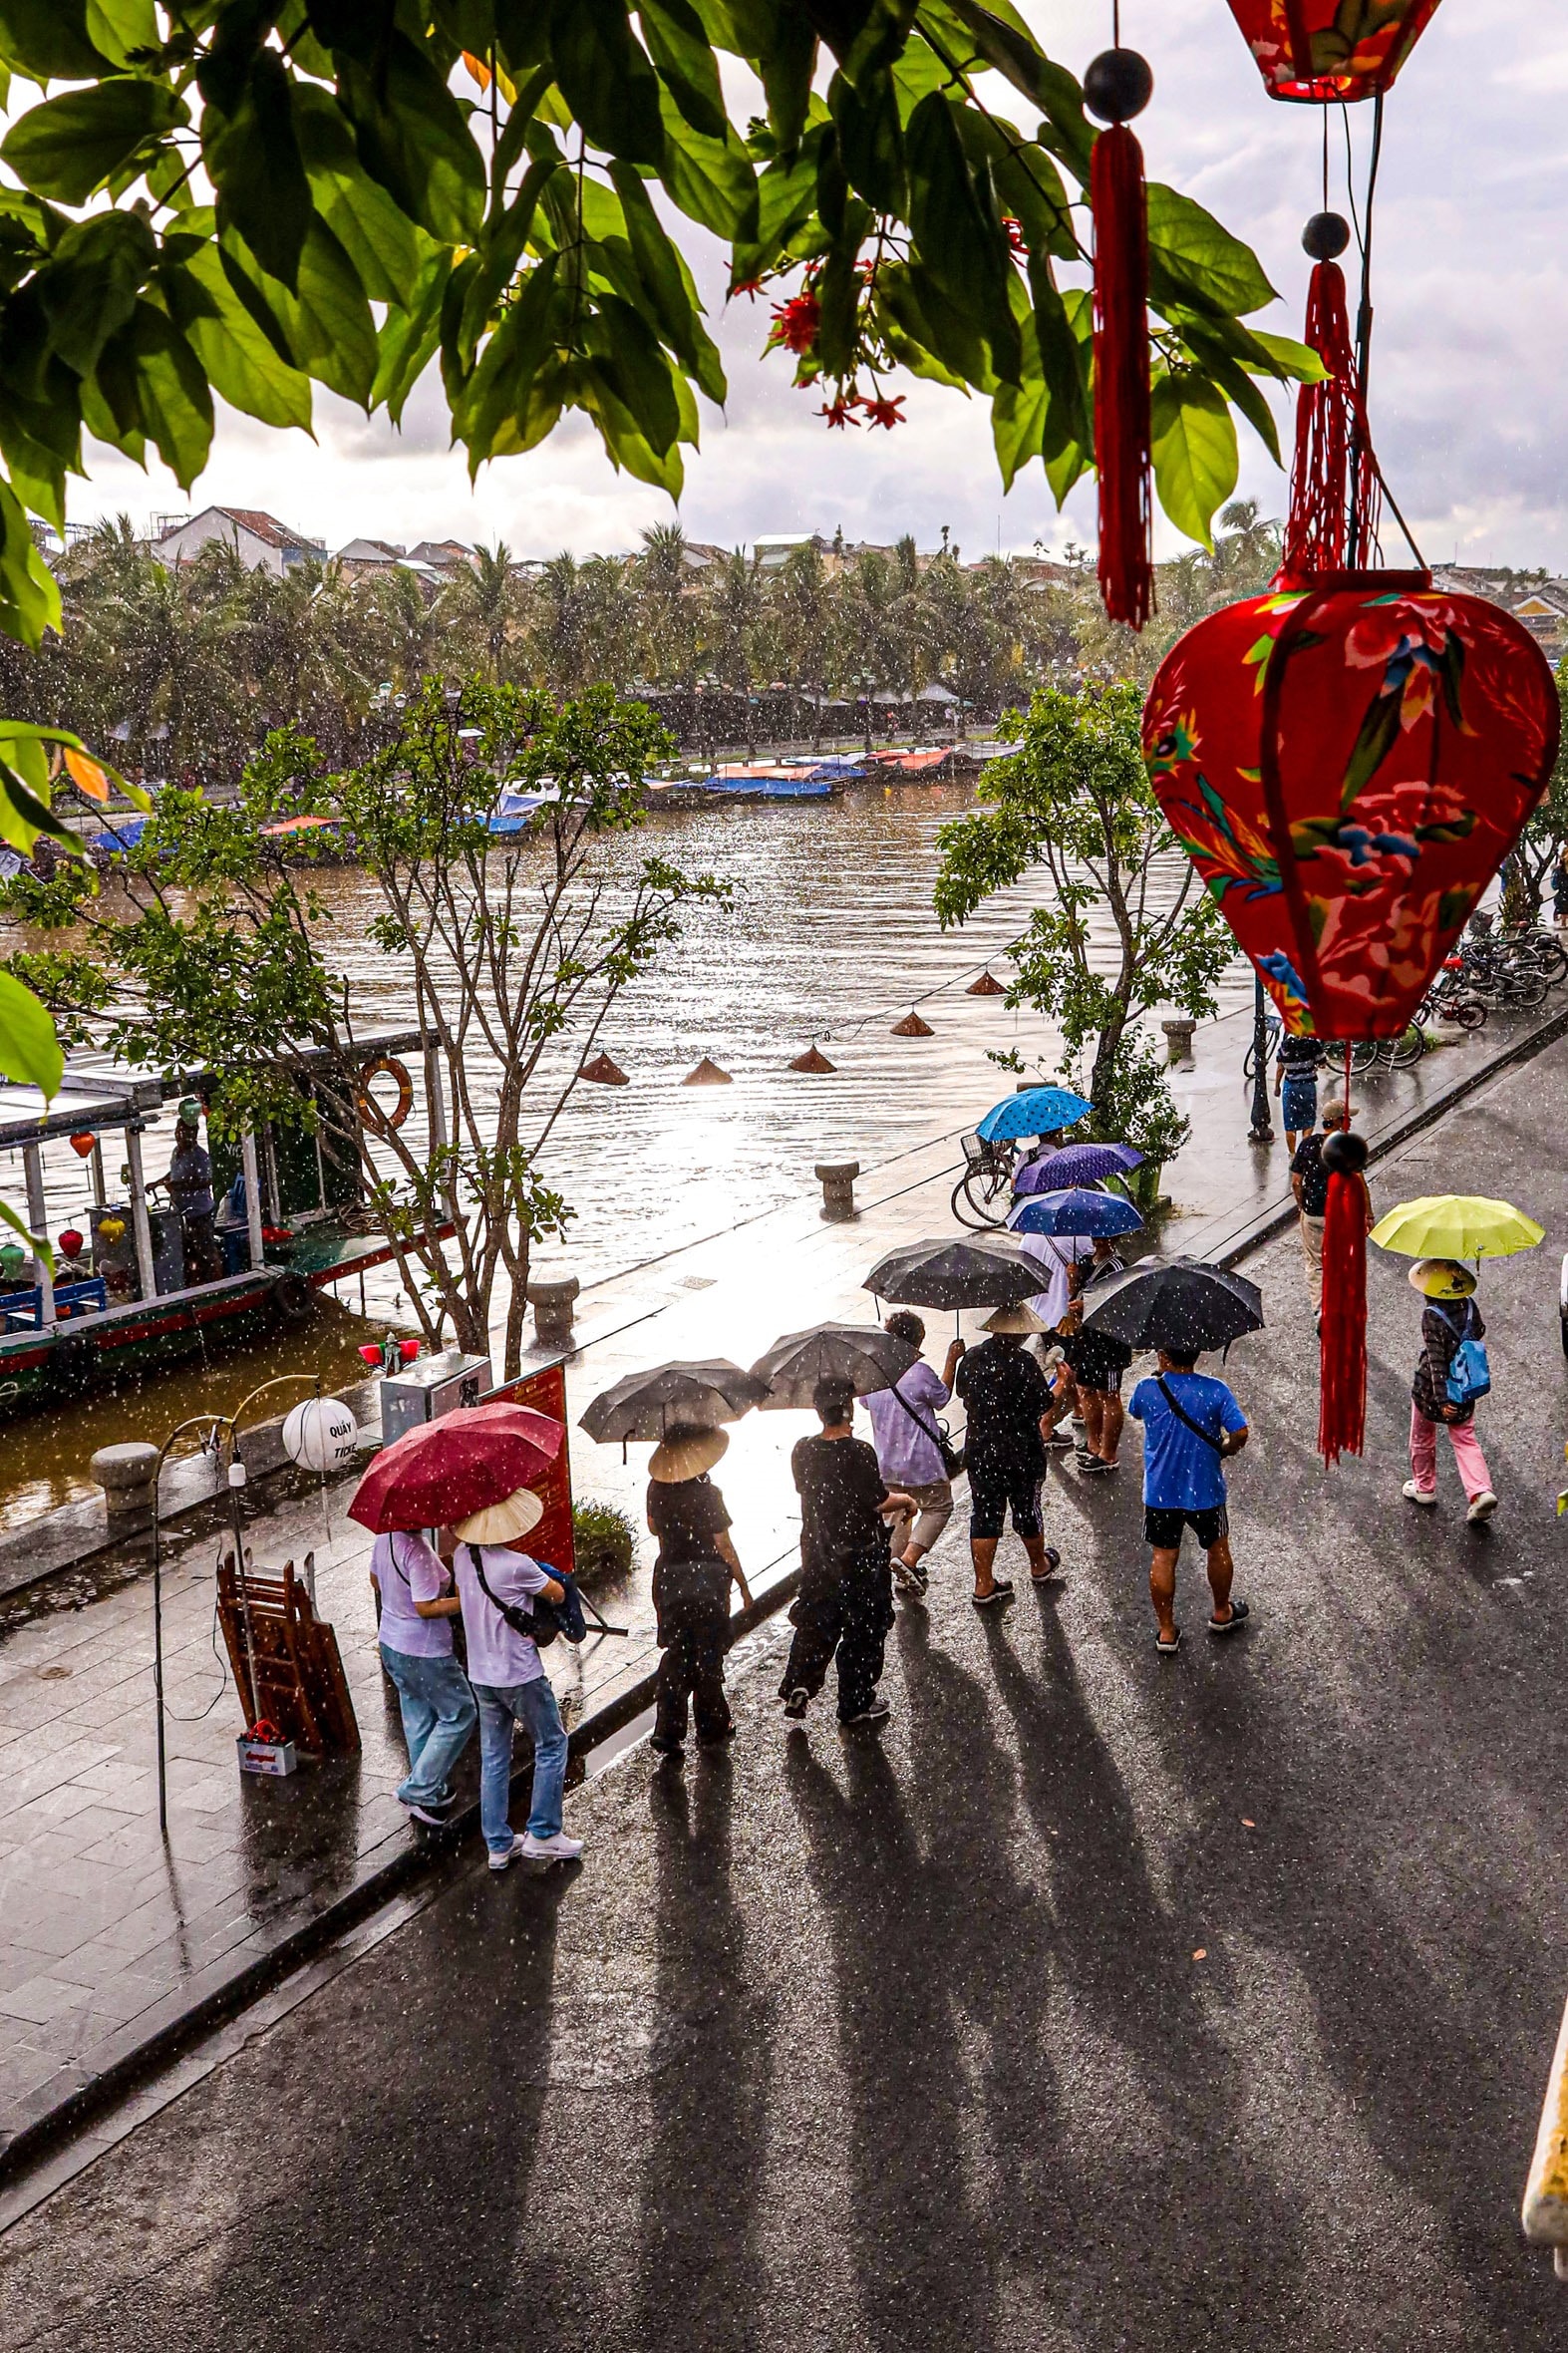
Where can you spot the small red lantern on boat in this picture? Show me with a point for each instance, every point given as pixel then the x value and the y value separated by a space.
pixel 1318 52
pixel 71 1242
pixel 81 1146
pixel 1348 762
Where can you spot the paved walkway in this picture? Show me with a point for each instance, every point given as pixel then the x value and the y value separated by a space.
pixel 1103 2003
pixel 109 1936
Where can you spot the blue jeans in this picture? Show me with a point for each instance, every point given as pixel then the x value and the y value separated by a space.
pixel 533 1706
pixel 438 1719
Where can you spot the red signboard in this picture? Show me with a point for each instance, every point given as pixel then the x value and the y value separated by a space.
pixel 551 1542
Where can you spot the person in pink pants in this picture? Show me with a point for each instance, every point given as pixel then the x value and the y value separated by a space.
pixel 1450 1316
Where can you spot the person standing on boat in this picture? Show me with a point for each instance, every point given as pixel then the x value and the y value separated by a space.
pixel 189 1184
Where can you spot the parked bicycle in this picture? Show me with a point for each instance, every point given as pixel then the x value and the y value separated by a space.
pixel 983 1194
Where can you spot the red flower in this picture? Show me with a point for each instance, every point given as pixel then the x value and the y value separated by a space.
pixel 749 287
pixel 837 412
pixel 888 412
pixel 795 322
pixel 1015 232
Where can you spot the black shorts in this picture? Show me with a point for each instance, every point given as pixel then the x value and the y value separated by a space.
pixel 1163 1526
pixel 1096 1363
pixel 994 1490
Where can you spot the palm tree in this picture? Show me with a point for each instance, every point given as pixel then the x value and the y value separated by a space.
pixel 737 632
pixel 483 609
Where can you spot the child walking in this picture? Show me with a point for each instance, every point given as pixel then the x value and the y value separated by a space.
pixel 1445 1386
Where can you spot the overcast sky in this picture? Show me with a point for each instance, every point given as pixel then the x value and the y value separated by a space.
pixel 1468 399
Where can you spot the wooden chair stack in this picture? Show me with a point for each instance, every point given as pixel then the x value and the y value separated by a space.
pixel 299 1684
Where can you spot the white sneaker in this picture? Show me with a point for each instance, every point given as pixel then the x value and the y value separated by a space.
pixel 502 1856
pixel 1483 1507
pixel 558 1848
pixel 1418 1494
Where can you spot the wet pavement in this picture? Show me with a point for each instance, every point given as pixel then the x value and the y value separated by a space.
pixel 1101 2003
pixel 107 1936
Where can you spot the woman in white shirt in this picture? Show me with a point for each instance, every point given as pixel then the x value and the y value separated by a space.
pixel 496 1585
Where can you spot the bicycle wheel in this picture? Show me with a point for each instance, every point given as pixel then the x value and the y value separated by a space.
pixel 1468 1013
pixel 1405 1053
pixel 981 1202
pixel 1363 1054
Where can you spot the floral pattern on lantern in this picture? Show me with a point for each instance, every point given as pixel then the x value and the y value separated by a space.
pixel 1347 766
pixel 1322 51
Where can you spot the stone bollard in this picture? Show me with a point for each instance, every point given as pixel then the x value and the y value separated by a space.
pixel 128 1474
pixel 1178 1041
pixel 552 1305
pixel 838 1179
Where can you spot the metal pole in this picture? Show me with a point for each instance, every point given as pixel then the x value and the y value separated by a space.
pixel 141 1226
pixel 247 1161
pixel 158 1657
pixel 1262 1128
pixel 38 1220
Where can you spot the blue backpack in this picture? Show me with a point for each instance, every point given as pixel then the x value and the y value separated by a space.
pixel 1469 1374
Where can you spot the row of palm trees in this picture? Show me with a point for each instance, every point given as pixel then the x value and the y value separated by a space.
pixel 170 669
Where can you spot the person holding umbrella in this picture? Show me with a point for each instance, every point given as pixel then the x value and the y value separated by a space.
pixel 909 1454
pixel 418 1606
pixel 1011 1407
pixel 1448 1379
pixel 497 1585
pixel 691 1576
pixel 1097 1363
pixel 845 1602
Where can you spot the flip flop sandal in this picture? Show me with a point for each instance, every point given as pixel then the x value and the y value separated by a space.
pixel 1054 1559
pixel 1167 1649
pixel 1239 1614
pixel 1000 1590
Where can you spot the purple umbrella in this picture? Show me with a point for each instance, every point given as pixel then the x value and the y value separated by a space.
pixel 1077 1163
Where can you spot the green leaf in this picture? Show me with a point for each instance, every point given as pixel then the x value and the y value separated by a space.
pixel 1211 356
pixel 89 287
pixel 239 360
pixel 606 79
pixel 624 444
pixel 29 594
pixel 1192 243
pixel 1195 458
pixel 501 385
pixel 414 137
pixel 785 197
pixel 1062 359
pixel 386 248
pixel 151 375
pixel 960 242
pixel 69 146
pixel 407 339
pixel 1290 357
pixel 1019 414
pixel 870 139
pixel 711 180
pixel 253 161
pixel 41 442
pixel 120 28
pixel 685 63
pixel 30 1053
pixel 47 40
pixel 327 329
pixel 1006 41
pixel 636 370
pixel 671 296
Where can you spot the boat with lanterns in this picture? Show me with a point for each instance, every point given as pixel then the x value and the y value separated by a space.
pixel 129 1293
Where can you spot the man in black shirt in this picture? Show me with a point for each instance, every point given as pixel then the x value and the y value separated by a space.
pixel 1309 1181
pixel 845 1604
pixel 691 1576
pixel 1010 1405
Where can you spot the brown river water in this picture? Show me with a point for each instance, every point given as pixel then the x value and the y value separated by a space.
pixel 830 936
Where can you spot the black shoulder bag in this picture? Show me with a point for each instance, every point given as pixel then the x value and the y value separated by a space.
pixel 541 1624
pixel 1182 1415
pixel 952 1456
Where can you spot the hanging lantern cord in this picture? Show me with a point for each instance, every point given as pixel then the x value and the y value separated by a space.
pixel 1359 555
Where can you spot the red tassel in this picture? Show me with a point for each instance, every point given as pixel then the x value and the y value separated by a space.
pixel 1122 381
pixel 1342 1415
pixel 1334 501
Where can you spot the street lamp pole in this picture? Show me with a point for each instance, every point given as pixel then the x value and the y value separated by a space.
pixel 1262 1128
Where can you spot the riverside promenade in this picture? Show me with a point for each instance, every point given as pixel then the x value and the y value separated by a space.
pixel 112 1943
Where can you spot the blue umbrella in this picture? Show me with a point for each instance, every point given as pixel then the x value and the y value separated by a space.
pixel 1076 1163
pixel 1094 1214
pixel 1037 1111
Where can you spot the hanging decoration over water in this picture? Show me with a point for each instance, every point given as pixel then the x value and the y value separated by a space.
pixel 1118 86
pixel 1323 51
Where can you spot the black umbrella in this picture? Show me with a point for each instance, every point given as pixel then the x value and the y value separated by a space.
pixel 957 1272
pixel 647 1405
pixel 1179 1304
pixel 864 1360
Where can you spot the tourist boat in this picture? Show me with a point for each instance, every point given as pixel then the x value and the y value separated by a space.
pixel 123 1306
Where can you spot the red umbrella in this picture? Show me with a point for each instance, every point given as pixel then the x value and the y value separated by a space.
pixel 476 1456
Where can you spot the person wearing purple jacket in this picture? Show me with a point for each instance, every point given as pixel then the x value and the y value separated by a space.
pixel 904 1429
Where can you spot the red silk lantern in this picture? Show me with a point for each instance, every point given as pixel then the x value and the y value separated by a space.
pixel 1348 763
pixel 1322 51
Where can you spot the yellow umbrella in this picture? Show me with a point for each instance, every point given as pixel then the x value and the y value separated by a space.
pixel 1456 1226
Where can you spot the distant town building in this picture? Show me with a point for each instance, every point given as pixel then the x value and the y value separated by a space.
pixel 1540 604
pixel 262 544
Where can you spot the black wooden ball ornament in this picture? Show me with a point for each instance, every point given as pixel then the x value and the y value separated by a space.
pixel 1119 85
pixel 1345 1150
pixel 1326 235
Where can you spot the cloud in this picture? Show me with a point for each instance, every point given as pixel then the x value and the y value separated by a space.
pixel 1470 354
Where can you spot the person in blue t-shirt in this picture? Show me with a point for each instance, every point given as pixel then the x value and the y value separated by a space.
pixel 1190 1424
